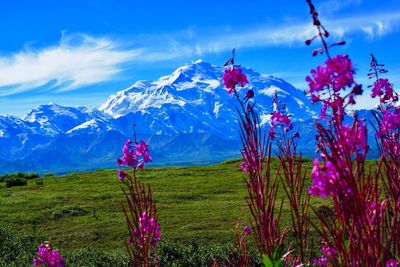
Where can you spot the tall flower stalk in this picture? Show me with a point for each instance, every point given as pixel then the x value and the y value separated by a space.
pixel 293 177
pixel 262 185
pixel 361 232
pixel 140 210
pixel 387 115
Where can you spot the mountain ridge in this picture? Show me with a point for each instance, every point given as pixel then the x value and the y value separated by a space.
pixel 186 116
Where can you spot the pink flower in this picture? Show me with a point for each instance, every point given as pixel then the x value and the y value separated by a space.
pixel 134 156
pixel 233 77
pixel 384 89
pixel 48 256
pixel 121 174
pixel 249 94
pixel 392 263
pixel 336 74
pixel 247 230
pixel 148 230
pixel 324 179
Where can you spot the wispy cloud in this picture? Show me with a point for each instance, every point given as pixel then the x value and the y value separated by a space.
pixel 197 43
pixel 78 60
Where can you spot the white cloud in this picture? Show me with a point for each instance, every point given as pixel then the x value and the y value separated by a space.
pixel 77 61
pixel 80 60
pixel 371 26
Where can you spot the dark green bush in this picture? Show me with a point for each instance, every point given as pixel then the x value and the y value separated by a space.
pixel 20 175
pixel 16 249
pixel 16 181
pixel 67 211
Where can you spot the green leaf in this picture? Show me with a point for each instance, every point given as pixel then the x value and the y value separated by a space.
pixel 267 261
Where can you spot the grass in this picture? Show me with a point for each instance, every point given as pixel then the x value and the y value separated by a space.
pixel 83 210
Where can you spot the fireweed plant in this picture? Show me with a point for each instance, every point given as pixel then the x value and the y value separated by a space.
pixel 387 116
pixel 140 211
pixel 262 186
pixel 47 256
pixel 293 177
pixel 365 227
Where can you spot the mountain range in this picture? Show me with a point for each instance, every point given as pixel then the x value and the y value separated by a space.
pixel 186 117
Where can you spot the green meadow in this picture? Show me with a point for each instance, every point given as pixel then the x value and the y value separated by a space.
pixel 84 210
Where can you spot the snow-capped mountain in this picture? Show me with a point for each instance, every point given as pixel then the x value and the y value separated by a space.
pixel 186 117
pixel 193 100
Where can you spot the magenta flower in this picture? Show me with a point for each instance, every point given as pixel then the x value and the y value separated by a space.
pixel 121 174
pixel 247 230
pixel 279 119
pixel 148 228
pixel 249 160
pixel 384 89
pixel 328 255
pixel 134 156
pixel 249 94
pixel 392 263
pixel 353 139
pixel 336 74
pixel 389 131
pixel 324 179
pixel 233 77
pixel 48 257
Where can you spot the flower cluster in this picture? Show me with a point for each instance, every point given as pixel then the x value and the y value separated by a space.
pixel 389 131
pixel 148 228
pixel 384 89
pixel 327 181
pixel 328 254
pixel 324 179
pixel 279 118
pixel 374 211
pixel 352 140
pixel 133 155
pixel 392 263
pixel 336 74
pixel 250 160
pixel 247 230
pixel 233 77
pixel 47 256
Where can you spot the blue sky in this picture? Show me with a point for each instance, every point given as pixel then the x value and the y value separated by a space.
pixel 79 52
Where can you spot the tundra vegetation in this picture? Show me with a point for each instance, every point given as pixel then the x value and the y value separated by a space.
pixel 337 209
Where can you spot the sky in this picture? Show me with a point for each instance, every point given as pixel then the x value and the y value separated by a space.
pixel 79 52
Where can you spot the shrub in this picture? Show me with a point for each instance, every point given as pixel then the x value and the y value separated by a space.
pixel 67 211
pixel 16 181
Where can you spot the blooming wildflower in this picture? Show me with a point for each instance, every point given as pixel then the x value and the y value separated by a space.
pixel 336 74
pixel 374 211
pixel 247 230
pixel 392 263
pixel 353 139
pixel 244 166
pixel 48 257
pixel 323 179
pixel 329 253
pixel 249 94
pixel 134 156
pixel 278 117
pixel 249 161
pixel 148 227
pixel 389 131
pixel 233 77
pixel 384 89
pixel 121 174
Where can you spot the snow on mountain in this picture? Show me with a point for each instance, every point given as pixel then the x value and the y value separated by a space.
pixel 193 100
pixel 186 117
